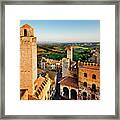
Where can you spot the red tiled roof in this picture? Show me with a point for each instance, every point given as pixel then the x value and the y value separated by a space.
pixel 69 81
pixel 26 26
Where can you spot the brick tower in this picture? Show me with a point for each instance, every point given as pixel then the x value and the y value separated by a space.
pixel 28 58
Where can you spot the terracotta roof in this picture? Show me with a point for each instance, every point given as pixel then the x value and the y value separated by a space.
pixel 26 26
pixel 69 81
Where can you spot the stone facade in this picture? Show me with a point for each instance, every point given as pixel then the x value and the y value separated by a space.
pixel 28 58
pixel 69 88
pixel 89 73
pixel 65 67
pixel 68 95
pixel 86 86
pixel 70 52
pixel 89 79
pixel 42 88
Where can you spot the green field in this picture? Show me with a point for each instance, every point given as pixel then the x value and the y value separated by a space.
pixel 57 51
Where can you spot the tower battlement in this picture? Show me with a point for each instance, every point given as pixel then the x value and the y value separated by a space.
pixel 88 65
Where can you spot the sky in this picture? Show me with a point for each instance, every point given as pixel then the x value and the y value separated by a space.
pixel 65 31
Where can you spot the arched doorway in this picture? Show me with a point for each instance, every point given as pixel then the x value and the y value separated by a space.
pixel 66 92
pixel 93 97
pixel 94 87
pixel 85 84
pixel 25 32
pixel 84 96
pixel 73 94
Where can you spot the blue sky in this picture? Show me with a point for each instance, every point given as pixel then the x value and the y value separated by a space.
pixel 51 31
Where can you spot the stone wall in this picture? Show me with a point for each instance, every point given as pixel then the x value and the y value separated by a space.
pixel 93 73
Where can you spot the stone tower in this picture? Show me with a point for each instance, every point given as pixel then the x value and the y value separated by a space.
pixel 69 52
pixel 28 58
pixel 65 67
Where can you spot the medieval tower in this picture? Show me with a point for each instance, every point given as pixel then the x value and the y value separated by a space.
pixel 69 52
pixel 65 67
pixel 28 58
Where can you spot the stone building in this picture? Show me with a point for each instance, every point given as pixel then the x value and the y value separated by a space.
pixel 86 86
pixel 69 52
pixel 69 88
pixel 51 76
pixel 28 60
pixel 65 67
pixel 88 80
pixel 82 78
pixel 42 88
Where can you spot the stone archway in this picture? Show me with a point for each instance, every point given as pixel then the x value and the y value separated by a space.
pixel 84 96
pixel 66 92
pixel 73 94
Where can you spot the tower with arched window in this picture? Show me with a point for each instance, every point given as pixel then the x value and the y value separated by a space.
pixel 28 58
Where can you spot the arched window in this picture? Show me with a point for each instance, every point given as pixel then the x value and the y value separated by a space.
pixel 85 74
pixel 73 94
pixel 43 83
pixel 93 76
pixel 38 91
pixel 84 96
pixel 66 92
pixel 25 32
pixel 85 84
pixel 40 88
pixel 94 87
